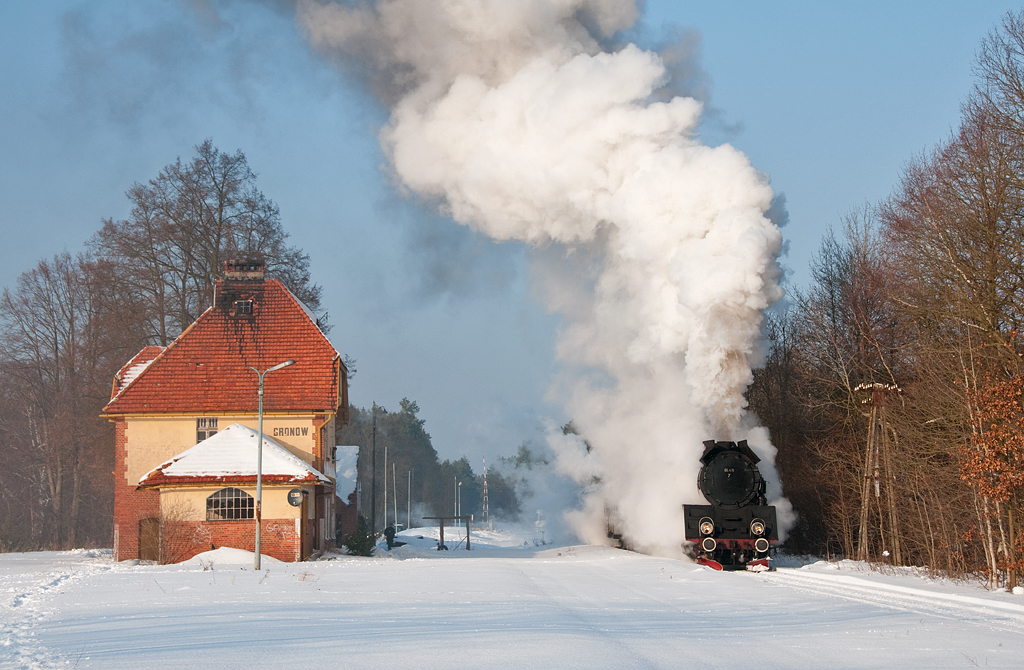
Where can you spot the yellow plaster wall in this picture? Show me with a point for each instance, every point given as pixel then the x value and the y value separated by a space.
pixel 189 504
pixel 155 440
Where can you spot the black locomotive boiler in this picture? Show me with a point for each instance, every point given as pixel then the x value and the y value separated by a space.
pixel 737 529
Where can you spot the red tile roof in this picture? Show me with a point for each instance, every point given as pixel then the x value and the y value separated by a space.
pixel 206 369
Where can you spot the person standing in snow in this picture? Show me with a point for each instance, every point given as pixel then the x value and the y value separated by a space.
pixel 389 534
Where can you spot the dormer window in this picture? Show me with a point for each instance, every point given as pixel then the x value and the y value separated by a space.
pixel 242 308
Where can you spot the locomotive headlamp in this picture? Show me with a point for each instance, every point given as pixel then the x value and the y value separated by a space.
pixel 757 527
pixel 707 526
pixel 708 544
pixel 761 545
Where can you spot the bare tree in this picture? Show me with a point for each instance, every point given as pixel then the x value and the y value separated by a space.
pixel 181 536
pixel 59 350
pixel 849 341
pixel 183 224
pixel 71 322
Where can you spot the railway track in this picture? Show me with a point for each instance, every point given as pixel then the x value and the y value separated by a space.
pixel 991 612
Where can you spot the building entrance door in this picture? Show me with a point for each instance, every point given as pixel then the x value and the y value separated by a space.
pixel 149 539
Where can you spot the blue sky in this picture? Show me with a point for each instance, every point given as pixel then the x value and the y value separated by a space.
pixel 828 99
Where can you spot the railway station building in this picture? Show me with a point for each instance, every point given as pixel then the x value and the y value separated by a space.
pixel 186 419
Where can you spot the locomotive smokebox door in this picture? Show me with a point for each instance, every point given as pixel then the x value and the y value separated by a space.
pixel 730 478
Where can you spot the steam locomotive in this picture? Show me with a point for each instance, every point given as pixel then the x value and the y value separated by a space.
pixel 737 529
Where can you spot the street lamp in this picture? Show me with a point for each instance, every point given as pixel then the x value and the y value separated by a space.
pixel 259 458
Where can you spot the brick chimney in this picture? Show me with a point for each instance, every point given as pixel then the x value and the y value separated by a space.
pixel 244 270
pixel 241 286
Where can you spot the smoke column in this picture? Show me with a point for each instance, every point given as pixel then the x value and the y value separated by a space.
pixel 517 121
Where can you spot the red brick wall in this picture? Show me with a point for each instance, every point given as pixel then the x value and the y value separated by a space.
pixel 347 517
pixel 130 506
pixel 181 541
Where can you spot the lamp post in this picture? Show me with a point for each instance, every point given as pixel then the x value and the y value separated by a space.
pixel 259 458
pixel 373 475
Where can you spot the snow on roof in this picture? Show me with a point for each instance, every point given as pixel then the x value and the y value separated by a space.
pixel 345 466
pixel 127 374
pixel 231 454
pixel 134 371
pixel 305 308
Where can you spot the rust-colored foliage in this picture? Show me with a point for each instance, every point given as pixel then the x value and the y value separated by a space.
pixel 994 461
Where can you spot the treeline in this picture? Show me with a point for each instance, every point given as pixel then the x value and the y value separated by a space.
pixel 71 322
pixel 396 454
pixel 895 386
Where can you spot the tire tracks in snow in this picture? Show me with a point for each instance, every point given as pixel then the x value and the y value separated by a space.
pixel 23 606
pixel 994 614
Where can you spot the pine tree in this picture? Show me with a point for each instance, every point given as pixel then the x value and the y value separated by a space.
pixel 362 541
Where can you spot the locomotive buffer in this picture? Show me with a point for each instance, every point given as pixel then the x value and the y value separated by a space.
pixel 737 529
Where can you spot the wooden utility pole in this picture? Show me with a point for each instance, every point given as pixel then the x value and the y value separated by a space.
pixel 865 493
pixel 890 489
pixel 878 467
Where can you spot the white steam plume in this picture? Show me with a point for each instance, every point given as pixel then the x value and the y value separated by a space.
pixel 514 118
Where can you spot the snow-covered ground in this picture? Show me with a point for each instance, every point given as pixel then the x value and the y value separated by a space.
pixel 502 605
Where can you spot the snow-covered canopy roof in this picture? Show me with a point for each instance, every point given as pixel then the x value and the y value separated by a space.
pixel 230 456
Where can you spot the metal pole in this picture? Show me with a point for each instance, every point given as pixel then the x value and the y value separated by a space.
pixel 373 473
pixel 394 492
pixel 408 503
pixel 259 459
pixel 385 484
pixel 259 476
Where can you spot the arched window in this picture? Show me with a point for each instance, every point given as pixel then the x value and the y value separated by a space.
pixel 229 503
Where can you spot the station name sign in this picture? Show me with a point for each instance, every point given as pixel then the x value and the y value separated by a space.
pixel 291 432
